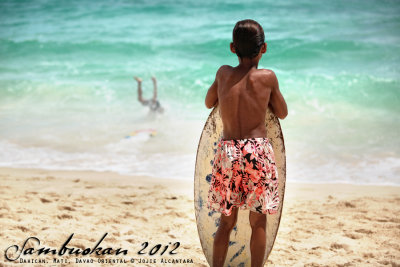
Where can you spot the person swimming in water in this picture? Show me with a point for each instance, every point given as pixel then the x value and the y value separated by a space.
pixel 153 103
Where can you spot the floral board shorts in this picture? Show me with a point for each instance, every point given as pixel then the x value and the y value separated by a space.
pixel 244 174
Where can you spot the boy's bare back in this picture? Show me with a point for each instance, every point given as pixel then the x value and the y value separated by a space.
pixel 244 92
pixel 243 97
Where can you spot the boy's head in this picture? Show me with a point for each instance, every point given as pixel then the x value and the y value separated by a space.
pixel 248 38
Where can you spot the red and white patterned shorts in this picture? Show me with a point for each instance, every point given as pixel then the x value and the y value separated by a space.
pixel 244 175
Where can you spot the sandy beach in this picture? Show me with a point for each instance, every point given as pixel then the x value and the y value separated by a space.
pixel 322 225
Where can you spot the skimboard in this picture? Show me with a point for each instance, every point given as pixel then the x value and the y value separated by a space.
pixel 147 132
pixel 208 220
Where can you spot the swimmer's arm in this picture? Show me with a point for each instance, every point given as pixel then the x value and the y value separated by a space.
pixel 212 94
pixel 278 103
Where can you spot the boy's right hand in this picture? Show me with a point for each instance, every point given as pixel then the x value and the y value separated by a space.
pixel 137 79
pixel 276 100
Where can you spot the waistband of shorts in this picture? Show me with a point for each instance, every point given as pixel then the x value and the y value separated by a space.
pixel 257 139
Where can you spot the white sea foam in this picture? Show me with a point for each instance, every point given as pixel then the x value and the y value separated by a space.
pixel 123 157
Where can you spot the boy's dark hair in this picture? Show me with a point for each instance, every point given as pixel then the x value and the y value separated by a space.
pixel 248 37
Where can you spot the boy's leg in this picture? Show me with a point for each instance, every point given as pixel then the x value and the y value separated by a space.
pixel 140 97
pixel 221 240
pixel 154 88
pixel 258 222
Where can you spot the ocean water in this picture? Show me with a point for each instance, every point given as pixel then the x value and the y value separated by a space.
pixel 68 99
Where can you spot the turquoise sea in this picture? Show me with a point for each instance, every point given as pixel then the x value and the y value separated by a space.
pixel 68 98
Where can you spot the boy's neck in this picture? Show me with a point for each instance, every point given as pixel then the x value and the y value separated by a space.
pixel 248 63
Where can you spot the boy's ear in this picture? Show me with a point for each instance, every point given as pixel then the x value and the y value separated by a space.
pixel 232 48
pixel 264 48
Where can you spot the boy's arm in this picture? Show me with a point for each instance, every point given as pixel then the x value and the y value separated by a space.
pixel 212 94
pixel 278 103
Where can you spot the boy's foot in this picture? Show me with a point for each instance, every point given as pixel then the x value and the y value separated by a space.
pixel 139 80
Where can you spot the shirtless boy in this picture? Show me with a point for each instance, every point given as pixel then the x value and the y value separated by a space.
pixel 244 170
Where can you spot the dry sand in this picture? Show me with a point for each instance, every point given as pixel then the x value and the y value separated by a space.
pixel 322 225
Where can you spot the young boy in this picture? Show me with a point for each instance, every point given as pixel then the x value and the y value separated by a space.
pixel 244 171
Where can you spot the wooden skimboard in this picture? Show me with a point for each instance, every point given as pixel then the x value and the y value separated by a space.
pixel 207 220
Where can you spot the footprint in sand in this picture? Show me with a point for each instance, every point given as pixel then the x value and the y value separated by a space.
pixel 64 216
pixel 127 215
pixel 22 228
pixel 314 252
pixel 116 228
pixel 364 231
pixel 352 236
pixel 361 217
pixel 336 246
pixel 346 204
pixel 368 255
pixel 66 208
pixel 76 205
pixel 381 220
pixel 44 200
pixel 327 217
pixel 142 218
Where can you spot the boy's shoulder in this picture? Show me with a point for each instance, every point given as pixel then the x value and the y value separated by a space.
pixel 257 73
pixel 224 69
pixel 262 73
pixel 262 77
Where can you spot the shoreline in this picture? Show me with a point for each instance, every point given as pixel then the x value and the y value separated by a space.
pixel 121 176
pixel 99 176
